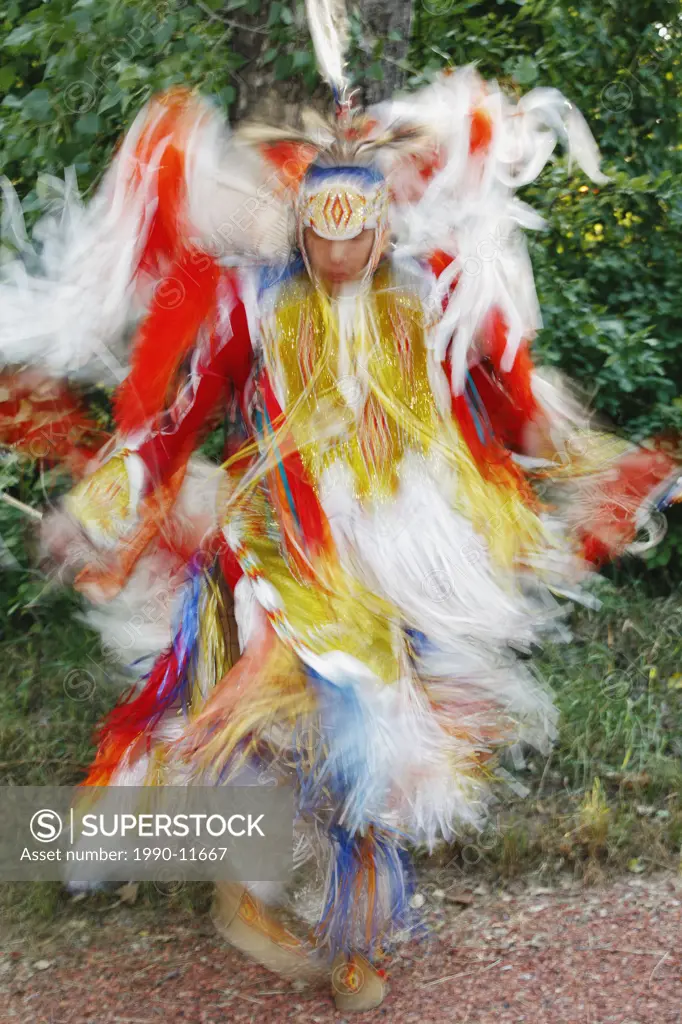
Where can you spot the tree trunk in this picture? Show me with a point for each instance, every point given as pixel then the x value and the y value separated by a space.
pixel 381 18
pixel 258 95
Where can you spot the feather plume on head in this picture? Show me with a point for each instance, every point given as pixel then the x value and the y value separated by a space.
pixel 328 23
pixel 340 188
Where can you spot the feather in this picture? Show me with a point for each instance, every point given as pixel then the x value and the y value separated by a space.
pixel 130 724
pixel 464 204
pixel 45 420
pixel 328 23
pixel 564 120
pixel 182 302
pixel 368 891
pixel 255 133
pixel 401 137
pixel 180 193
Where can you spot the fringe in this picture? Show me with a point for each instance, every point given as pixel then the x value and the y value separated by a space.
pixel 369 887
pixel 169 682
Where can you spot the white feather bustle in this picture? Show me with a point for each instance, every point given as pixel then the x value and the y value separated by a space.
pixel 67 304
pixel 69 313
pixel 468 209
pixel 428 560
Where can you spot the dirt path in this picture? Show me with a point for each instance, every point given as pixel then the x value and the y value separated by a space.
pixel 610 954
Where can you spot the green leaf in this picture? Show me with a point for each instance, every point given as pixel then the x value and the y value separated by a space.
pixel 274 14
pixel 21 34
pixel 109 100
pixel 228 95
pixel 38 106
pixel 81 21
pixel 614 326
pixel 7 77
pixel 525 71
pixel 163 33
pixel 301 59
pixel 283 66
pixel 88 124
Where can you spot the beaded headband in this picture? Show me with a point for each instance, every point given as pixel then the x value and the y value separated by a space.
pixel 341 202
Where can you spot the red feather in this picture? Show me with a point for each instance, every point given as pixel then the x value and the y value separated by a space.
pixel 42 419
pixel 517 381
pixel 291 158
pixel 632 479
pixel 182 302
pixel 185 296
pixel 126 722
pixel 481 132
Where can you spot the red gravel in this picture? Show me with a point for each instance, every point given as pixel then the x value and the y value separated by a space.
pixel 609 954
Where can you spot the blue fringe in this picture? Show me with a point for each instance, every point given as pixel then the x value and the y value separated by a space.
pixel 419 642
pixel 176 682
pixel 347 923
pixel 477 410
pixel 335 773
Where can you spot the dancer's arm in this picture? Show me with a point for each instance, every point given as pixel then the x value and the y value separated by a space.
pixel 609 485
pixel 217 366
pixel 130 499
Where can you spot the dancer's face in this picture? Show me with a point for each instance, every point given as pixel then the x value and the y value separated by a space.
pixel 336 262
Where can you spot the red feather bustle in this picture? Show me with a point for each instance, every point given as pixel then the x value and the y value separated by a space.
pixel 186 277
pixel 41 418
pixel 495 405
pixel 159 162
pixel 481 132
pixel 518 380
pixel 291 159
pixel 612 521
pixel 132 719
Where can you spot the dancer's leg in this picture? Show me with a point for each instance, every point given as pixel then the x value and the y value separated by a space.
pixel 251 925
pixel 366 905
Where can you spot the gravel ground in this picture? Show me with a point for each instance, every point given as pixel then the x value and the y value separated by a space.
pixel 543 956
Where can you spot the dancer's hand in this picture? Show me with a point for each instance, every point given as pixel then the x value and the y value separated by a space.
pixel 100 583
pixel 75 561
pixel 537 439
pixel 64 546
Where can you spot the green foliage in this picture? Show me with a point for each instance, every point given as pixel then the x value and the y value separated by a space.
pixel 54 684
pixel 608 272
pixel 75 73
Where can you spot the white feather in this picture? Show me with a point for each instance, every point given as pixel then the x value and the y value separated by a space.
pixel 68 302
pixel 328 23
pixel 70 314
pixel 469 210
